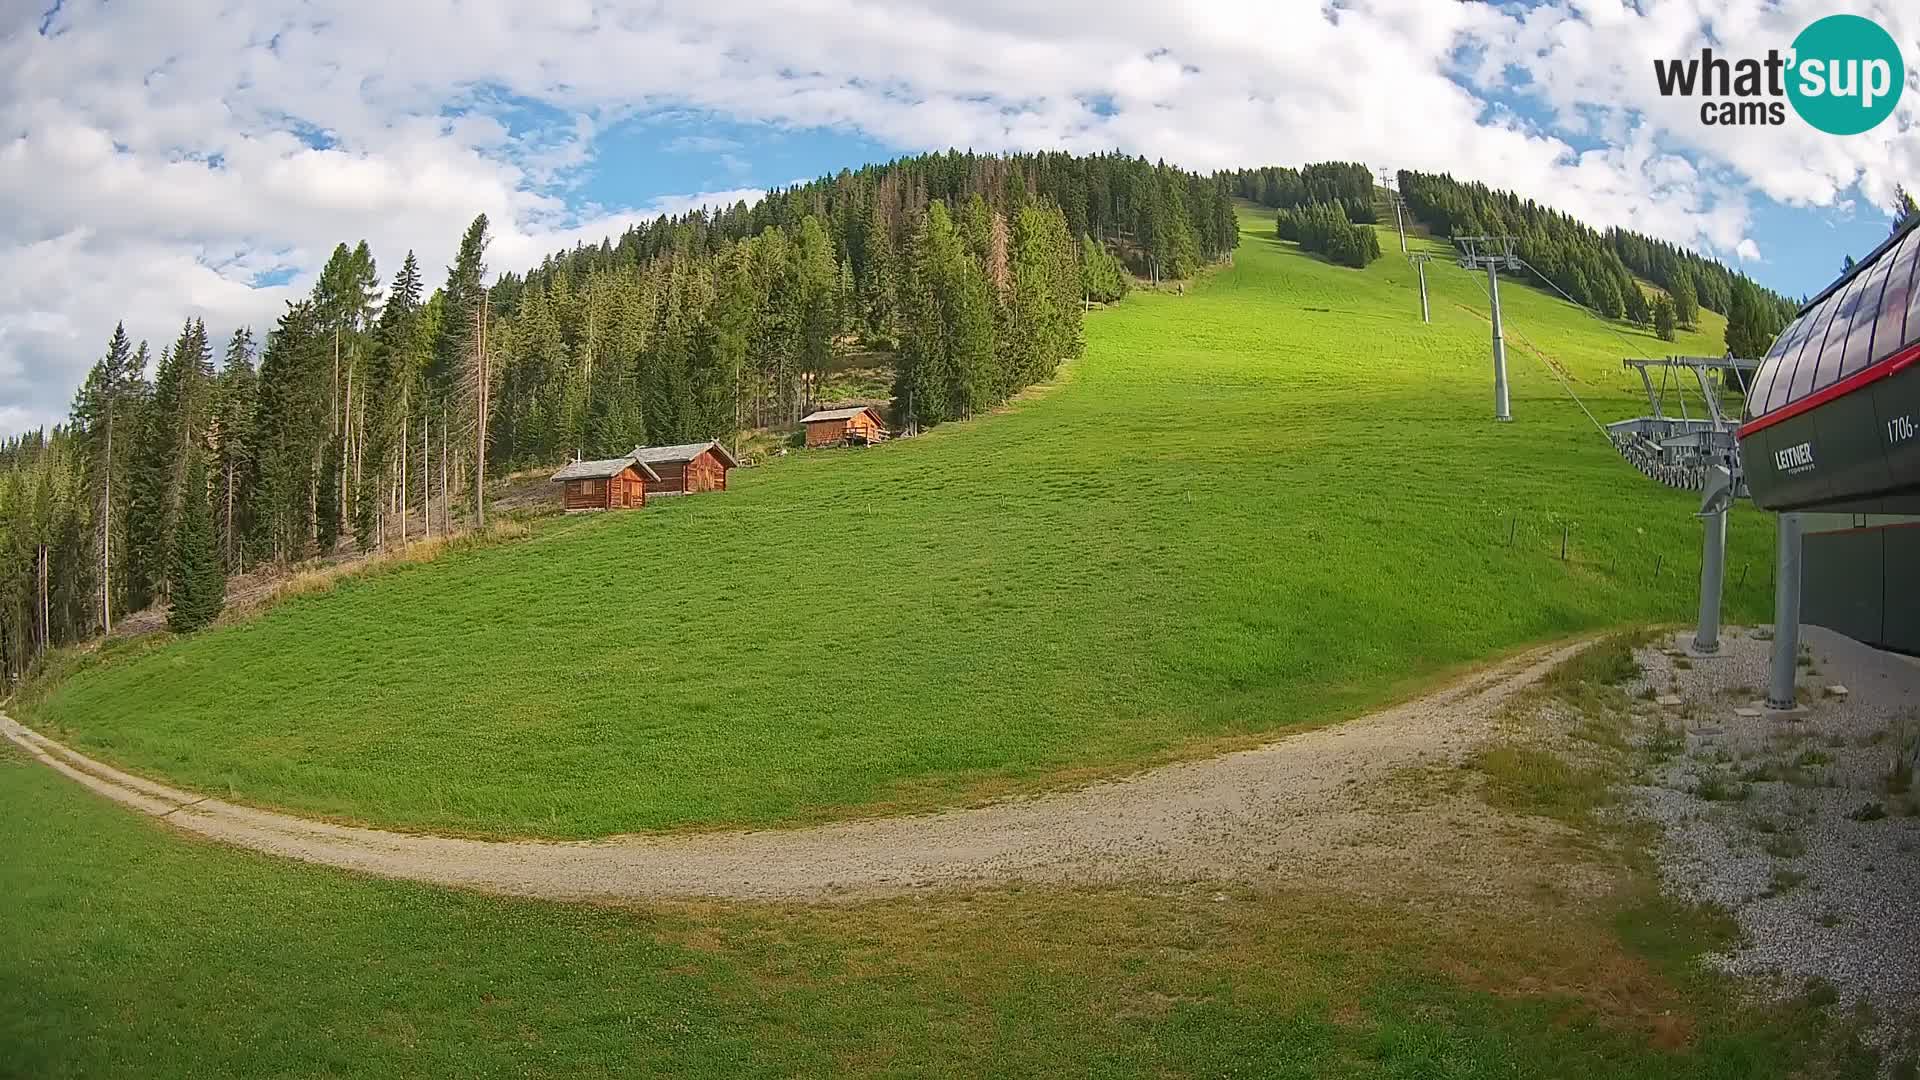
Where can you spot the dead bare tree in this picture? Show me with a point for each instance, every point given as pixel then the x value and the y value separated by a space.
pixel 476 387
pixel 106 534
pixel 446 505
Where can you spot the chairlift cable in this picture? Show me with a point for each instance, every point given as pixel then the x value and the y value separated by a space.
pixel 1555 372
pixel 1602 319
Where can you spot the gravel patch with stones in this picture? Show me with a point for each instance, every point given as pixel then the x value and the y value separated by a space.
pixel 1801 828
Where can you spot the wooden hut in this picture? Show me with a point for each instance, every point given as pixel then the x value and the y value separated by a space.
pixel 834 427
pixel 612 484
pixel 688 468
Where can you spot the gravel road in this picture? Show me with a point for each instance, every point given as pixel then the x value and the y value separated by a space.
pixel 1307 808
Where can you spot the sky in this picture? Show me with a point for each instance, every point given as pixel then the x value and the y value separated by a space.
pixel 167 159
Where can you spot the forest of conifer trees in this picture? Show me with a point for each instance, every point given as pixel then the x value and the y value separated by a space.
pixel 1597 269
pixel 376 405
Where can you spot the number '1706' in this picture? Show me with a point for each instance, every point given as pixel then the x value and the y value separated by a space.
pixel 1899 429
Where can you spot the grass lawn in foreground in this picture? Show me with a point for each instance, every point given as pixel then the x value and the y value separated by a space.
pixel 133 951
pixel 1274 501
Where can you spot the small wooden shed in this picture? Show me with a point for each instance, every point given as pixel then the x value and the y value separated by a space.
pixel 833 427
pixel 688 468
pixel 610 484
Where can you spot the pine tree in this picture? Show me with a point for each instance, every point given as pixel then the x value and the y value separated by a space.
pixel 236 404
pixel 1102 280
pixel 1686 302
pixel 879 291
pixel 921 376
pixel 464 356
pixel 1752 321
pixel 667 364
pixel 466 284
pixel 967 310
pixel 1663 317
pixel 175 431
pixel 1638 312
pixel 327 510
pixel 1606 297
pixel 105 419
pixel 815 279
pixel 198 583
pixel 725 340
pixel 291 428
pixel 1174 228
pixel 1905 208
pixel 1064 277
pixel 400 356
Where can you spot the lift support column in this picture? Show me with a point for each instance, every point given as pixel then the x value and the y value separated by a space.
pixel 1786 615
pixel 1713 556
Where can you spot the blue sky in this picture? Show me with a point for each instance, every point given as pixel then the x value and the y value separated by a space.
pixel 677 151
pixel 208 172
pixel 1806 246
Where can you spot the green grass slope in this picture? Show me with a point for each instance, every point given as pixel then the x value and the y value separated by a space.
pixel 207 962
pixel 1274 501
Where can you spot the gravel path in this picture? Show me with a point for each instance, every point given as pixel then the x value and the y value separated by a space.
pixel 1809 840
pixel 1310 807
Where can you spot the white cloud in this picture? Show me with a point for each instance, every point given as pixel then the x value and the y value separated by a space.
pixel 156 158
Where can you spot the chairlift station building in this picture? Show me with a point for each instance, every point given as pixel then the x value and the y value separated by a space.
pixel 1832 431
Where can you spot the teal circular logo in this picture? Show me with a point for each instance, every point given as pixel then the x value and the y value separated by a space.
pixel 1846 74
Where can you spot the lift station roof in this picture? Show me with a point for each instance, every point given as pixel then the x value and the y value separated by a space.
pixel 1833 413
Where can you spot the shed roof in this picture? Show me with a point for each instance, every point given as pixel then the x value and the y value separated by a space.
pixel 683 452
pixel 593 470
pixel 839 414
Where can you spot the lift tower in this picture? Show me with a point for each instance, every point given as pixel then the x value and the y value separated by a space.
pixel 1391 195
pixel 1490 253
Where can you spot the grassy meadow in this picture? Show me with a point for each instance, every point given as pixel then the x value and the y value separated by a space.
pixel 1276 500
pixel 131 951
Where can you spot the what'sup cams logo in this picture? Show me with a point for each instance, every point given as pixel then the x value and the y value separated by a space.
pixel 1843 75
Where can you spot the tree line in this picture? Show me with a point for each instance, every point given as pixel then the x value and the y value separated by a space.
pixel 1598 269
pixel 376 405
pixel 1324 228
pixel 1346 184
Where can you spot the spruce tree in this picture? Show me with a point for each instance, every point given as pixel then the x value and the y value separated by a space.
pixel 1905 208
pixel 880 289
pixel 291 429
pixel 236 405
pixel 198 584
pixel 615 423
pixel 105 421
pixel 326 519
pixel 175 430
pixel 1638 312
pixel 400 354
pixel 1663 317
pixel 1064 277
pixel 920 379
pixel 1686 301
pixel 466 284
pixel 815 281
pixel 1174 229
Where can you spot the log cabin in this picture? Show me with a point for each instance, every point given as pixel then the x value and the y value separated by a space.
pixel 688 468
pixel 859 425
pixel 611 484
